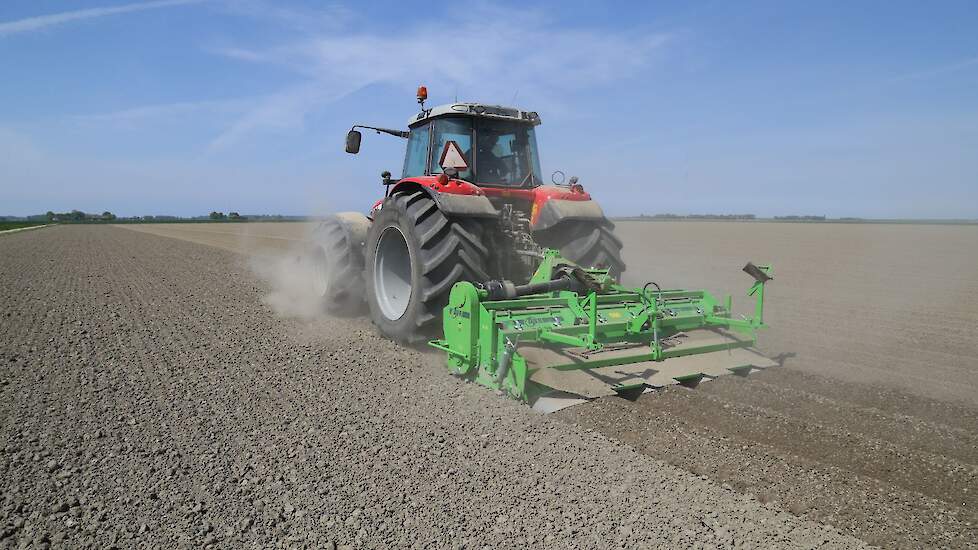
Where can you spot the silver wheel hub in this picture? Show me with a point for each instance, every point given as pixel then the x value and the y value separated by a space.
pixel 392 274
pixel 320 272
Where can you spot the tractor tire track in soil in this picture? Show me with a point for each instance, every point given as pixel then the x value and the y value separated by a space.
pixel 149 398
pixel 887 478
pixel 871 425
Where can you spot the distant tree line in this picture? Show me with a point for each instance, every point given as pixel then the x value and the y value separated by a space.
pixel 801 218
pixel 234 216
pixel 73 216
pixel 729 217
pixel 78 216
pixel 699 216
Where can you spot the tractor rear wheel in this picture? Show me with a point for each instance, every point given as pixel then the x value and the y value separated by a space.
pixel 414 254
pixel 335 254
pixel 589 244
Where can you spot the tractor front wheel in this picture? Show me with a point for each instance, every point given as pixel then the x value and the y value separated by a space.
pixel 335 255
pixel 414 255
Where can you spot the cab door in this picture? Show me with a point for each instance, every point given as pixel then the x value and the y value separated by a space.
pixel 416 158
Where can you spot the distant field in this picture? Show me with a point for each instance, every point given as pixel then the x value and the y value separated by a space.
pixel 894 221
pixel 6 226
pixel 245 238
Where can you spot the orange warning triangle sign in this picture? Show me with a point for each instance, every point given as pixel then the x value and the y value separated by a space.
pixel 452 157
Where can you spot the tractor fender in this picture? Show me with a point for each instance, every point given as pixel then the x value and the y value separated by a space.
pixel 457 198
pixel 555 211
pixel 356 226
pixel 465 205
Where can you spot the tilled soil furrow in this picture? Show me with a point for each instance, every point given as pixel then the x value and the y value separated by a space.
pixel 946 332
pixel 890 343
pixel 912 363
pixel 845 416
pixel 961 420
pixel 925 472
pixel 895 355
pixel 884 356
pixel 952 412
pixel 749 452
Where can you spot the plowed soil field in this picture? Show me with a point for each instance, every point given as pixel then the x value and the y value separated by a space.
pixel 154 396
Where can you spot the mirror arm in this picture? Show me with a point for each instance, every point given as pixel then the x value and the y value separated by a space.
pixel 396 133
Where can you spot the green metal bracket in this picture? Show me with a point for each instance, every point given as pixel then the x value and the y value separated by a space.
pixel 757 289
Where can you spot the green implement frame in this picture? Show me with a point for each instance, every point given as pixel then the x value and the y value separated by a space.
pixel 598 339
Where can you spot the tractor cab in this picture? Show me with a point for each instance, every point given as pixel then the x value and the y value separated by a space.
pixel 488 145
pixel 485 145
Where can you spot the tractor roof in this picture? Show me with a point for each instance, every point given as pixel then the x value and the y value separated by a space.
pixel 476 110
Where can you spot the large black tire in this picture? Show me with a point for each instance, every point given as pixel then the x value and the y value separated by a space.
pixel 590 244
pixel 335 253
pixel 411 241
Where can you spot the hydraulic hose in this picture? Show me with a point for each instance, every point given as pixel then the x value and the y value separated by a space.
pixel 653 283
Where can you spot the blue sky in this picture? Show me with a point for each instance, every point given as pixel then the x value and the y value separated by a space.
pixel 186 106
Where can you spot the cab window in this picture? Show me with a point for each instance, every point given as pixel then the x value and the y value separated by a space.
pixel 458 130
pixel 417 152
pixel 506 153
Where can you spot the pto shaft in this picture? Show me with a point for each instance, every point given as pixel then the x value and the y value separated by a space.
pixel 506 290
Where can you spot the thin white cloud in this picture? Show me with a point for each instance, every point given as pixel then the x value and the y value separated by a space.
pixel 281 111
pixel 44 21
pixel 297 18
pixel 938 70
pixel 167 110
pixel 498 53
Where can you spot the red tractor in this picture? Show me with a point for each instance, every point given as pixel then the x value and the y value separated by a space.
pixel 470 205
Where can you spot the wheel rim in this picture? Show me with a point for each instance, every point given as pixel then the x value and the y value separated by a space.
pixel 320 275
pixel 392 274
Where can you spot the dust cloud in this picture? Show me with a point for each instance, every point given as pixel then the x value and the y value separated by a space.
pixel 289 274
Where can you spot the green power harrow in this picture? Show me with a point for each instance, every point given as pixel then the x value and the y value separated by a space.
pixel 573 334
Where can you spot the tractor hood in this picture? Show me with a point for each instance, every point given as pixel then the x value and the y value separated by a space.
pixel 547 205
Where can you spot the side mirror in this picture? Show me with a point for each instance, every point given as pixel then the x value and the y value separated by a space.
pixel 353 142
